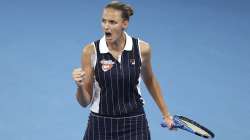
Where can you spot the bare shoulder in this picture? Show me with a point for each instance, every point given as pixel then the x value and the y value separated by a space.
pixel 88 50
pixel 144 47
pixel 145 50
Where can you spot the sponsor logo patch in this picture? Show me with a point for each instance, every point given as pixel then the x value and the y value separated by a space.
pixel 107 64
pixel 132 61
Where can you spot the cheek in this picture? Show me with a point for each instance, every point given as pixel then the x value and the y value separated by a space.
pixel 118 28
pixel 117 31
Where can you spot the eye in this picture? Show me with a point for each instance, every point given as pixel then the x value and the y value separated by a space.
pixel 112 22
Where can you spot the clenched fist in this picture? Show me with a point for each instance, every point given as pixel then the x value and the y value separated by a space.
pixel 78 75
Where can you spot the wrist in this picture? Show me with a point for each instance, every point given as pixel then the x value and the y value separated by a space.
pixel 78 84
pixel 166 116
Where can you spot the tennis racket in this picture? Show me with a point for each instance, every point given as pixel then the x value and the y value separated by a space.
pixel 191 126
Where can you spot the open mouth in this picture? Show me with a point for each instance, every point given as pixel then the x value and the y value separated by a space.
pixel 108 34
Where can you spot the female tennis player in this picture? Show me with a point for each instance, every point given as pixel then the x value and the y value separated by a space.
pixel 109 78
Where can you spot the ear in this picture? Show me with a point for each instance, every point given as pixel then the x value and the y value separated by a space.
pixel 125 24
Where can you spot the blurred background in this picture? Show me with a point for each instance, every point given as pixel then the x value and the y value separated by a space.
pixel 200 55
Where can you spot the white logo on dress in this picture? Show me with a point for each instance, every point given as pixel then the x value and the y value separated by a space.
pixel 107 64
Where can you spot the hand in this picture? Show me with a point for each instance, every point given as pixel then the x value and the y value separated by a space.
pixel 78 75
pixel 169 121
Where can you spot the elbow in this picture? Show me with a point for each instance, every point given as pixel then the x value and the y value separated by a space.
pixel 83 103
pixel 149 80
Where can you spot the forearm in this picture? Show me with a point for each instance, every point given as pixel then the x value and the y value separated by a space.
pixel 155 91
pixel 83 97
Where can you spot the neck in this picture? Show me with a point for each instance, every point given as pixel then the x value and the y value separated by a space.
pixel 119 44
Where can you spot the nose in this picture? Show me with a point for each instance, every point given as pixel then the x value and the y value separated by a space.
pixel 106 25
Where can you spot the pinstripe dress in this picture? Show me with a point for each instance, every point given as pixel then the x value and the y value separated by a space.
pixel 117 106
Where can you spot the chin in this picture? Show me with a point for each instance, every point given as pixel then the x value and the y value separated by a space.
pixel 110 40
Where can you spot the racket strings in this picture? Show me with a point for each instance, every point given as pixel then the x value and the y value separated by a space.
pixel 197 128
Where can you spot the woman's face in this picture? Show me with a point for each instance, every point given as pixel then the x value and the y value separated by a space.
pixel 113 24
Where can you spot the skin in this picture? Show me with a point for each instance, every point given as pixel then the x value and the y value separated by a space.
pixel 113 23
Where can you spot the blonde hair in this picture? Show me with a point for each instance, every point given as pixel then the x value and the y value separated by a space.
pixel 126 9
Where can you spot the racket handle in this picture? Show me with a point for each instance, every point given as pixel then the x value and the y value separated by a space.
pixel 163 124
pixel 177 124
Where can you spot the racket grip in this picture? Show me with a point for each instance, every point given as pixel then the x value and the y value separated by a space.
pixel 163 124
pixel 177 124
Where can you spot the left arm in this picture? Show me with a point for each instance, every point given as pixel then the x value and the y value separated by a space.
pixel 152 84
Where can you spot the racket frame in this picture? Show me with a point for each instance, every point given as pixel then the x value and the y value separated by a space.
pixel 178 123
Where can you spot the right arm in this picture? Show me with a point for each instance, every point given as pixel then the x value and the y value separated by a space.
pixel 84 77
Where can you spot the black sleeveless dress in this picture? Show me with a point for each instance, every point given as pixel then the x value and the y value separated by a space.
pixel 118 113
